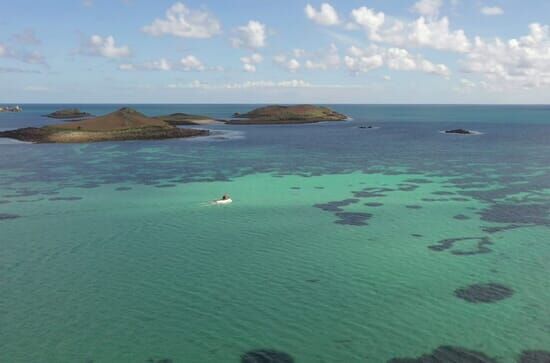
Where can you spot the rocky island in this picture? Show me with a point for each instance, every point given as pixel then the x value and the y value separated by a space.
pixel 186 119
pixel 68 113
pixel 298 114
pixel 124 124
pixel 461 132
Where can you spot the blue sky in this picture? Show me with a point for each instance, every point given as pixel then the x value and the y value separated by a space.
pixel 290 51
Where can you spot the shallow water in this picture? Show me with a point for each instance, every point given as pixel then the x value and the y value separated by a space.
pixel 342 244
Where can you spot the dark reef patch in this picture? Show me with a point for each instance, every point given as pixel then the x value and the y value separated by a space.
pixel 417 235
pixel 6 216
pixel 319 187
pixel 434 200
pixel 295 188
pixel 4 201
pixel 418 181
pixel 353 218
pixel 161 360
pixel 122 189
pixel 412 206
pixel 446 244
pixel 448 354
pixel 266 356
pixel 374 204
pixel 442 192
pixel 534 356
pixel 517 213
pixel 371 192
pixel 461 217
pixel 165 186
pixel 484 293
pixel 336 206
pixel 65 198
pixel 407 187
pixel 503 228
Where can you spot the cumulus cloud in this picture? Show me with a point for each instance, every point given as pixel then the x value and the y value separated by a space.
pixel 326 15
pixel 364 60
pixel 523 62
pixel 293 83
pixel 428 8
pixel 492 10
pixel 187 64
pixel 3 50
pixel 27 36
pixel 423 32
pixel 325 60
pixel 249 63
pixel 104 47
pixel 289 64
pixel 252 35
pixel 180 21
pixel 192 63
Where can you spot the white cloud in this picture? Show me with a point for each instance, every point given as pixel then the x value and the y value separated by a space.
pixel 249 63
pixel 192 63
pixel 88 3
pixel 326 59
pixel 298 53
pixel 159 65
pixel 326 15
pixel 3 50
pixel 492 10
pixel 428 8
pixel 294 83
pixel 187 64
pixel 252 35
pixel 289 64
pixel 423 32
pixel 126 67
pixel 104 47
pixel 370 20
pixel 183 22
pixel 28 36
pixel 523 62
pixel 399 59
pixel 386 78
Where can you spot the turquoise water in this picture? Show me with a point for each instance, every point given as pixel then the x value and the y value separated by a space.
pixel 342 244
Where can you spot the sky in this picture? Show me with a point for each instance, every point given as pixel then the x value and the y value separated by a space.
pixel 283 51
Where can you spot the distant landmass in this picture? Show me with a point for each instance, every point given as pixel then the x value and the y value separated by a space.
pixel 187 119
pixel 299 114
pixel 124 124
pixel 69 113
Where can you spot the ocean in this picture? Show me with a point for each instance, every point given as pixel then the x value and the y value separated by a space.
pixel 342 244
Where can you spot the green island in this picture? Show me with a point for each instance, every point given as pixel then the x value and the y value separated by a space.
pixel 124 124
pixel 68 113
pixel 277 114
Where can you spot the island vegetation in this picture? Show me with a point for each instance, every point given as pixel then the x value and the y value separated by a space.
pixel 124 124
pixel 68 113
pixel 298 114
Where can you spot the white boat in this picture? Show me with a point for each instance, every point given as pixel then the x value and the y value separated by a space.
pixel 223 201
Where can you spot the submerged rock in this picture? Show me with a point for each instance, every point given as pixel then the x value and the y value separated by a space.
pixel 534 356
pixel 460 132
pixel 448 354
pixel 266 356
pixel 484 293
